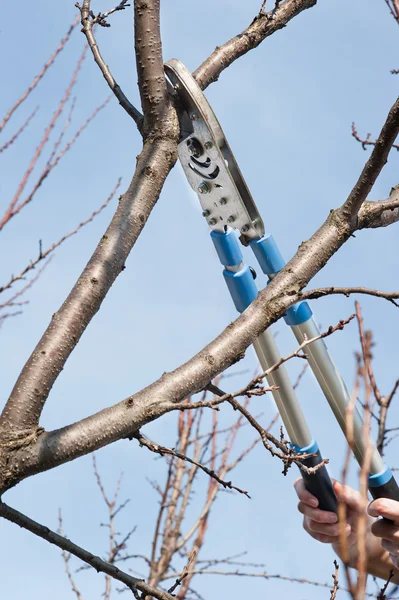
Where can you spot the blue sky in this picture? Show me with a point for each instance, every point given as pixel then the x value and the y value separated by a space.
pixel 286 109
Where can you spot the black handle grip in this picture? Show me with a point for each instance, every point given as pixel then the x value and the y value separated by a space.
pixel 390 490
pixel 319 484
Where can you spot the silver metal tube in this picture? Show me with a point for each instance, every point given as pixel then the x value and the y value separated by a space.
pixel 285 397
pixel 335 390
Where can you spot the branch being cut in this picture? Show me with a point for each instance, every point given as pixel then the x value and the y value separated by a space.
pixel 96 562
pixel 264 25
pixel 88 20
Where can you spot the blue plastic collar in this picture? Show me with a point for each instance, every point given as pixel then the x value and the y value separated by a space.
pixel 227 248
pixel 267 254
pixel 380 478
pixel 297 314
pixel 312 448
pixel 242 287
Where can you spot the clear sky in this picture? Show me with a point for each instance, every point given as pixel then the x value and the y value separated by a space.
pixel 286 109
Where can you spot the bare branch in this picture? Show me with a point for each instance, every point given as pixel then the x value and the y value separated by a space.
pixel 335 580
pixel 88 20
pixel 367 141
pixel 43 255
pixel 374 165
pixel 14 208
pixel 39 76
pixel 66 557
pixel 347 291
pixel 53 162
pixel 261 27
pixel 19 131
pixel 96 562
pixel 382 595
pixel 162 450
pixel 155 99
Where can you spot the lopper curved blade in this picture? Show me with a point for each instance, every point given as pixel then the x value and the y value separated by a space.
pixel 209 163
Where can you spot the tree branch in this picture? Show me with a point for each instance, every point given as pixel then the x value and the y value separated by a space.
pixel 14 207
pixel 19 131
pixel 162 450
pixel 381 213
pixel 373 166
pixel 88 20
pixel 96 562
pixel 367 141
pixel 19 420
pixel 264 25
pixel 155 99
pixel 347 291
pixel 159 154
pixel 39 76
pixel 44 254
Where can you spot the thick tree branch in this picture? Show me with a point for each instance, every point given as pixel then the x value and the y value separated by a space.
pixel 88 20
pixel 128 416
pixel 96 562
pixel 264 25
pixel 19 420
pixel 155 99
pixel 159 154
pixel 31 390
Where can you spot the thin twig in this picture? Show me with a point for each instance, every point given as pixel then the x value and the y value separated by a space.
pixel 19 131
pixel 42 255
pixel 162 450
pixel 347 291
pixel 14 207
pixel 87 19
pixel 40 75
pixel 367 141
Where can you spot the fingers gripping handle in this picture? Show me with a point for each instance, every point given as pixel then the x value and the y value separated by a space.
pixel 318 483
pixel 387 487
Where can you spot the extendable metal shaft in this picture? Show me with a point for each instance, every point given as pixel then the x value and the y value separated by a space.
pixel 243 290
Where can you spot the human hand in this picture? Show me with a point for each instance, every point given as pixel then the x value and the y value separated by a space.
pixel 387 531
pixel 324 527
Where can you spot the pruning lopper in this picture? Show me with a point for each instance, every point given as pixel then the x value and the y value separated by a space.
pixel 227 206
